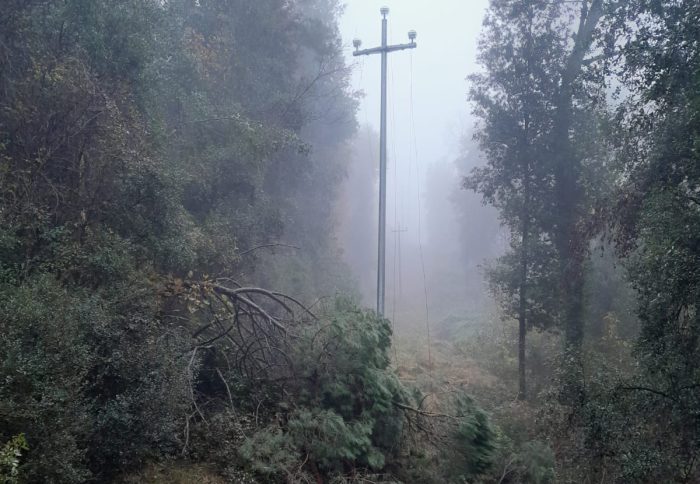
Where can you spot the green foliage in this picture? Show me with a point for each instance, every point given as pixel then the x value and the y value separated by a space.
pixel 323 402
pixel 92 392
pixel 342 411
pixel 143 140
pixel 536 463
pixel 519 460
pixel 270 452
pixel 504 278
pixel 534 97
pixel 138 140
pixel 42 327
pixel 493 344
pixel 473 449
pixel 10 455
pixel 641 425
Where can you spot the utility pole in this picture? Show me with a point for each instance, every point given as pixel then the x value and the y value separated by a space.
pixel 384 50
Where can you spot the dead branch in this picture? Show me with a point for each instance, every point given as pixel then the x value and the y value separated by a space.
pixel 263 246
pixel 423 412
pixel 228 390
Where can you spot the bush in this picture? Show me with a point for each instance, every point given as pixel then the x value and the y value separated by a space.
pixel 472 452
pixel 341 407
pixel 10 455
pixel 95 387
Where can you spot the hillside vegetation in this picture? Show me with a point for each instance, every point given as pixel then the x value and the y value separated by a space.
pixel 173 302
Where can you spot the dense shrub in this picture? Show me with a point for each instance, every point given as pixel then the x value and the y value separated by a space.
pixel 138 140
pixel 10 455
pixel 93 391
pixel 341 412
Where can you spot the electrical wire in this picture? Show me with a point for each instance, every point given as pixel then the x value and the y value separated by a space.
pixel 396 255
pixel 420 241
pixel 370 145
pixel 396 280
pixel 369 136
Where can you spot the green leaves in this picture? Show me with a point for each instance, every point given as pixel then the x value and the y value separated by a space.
pixel 10 455
pixel 473 441
pixel 142 139
pixel 342 405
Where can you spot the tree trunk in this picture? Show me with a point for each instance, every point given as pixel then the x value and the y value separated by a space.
pixel 522 326
pixel 524 260
pixel 571 244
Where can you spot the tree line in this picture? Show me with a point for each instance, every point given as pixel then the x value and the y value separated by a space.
pixel 588 118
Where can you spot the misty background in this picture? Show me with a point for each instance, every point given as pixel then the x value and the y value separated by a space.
pixel 429 150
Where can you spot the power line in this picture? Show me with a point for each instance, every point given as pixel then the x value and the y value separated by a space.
pixel 397 221
pixel 398 229
pixel 418 197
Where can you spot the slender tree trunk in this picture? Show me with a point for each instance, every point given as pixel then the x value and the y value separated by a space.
pixel 524 259
pixel 525 232
pixel 522 335
pixel 522 308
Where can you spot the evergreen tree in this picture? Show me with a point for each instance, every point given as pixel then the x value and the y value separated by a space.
pixel 541 102
pixel 657 218
pixel 521 50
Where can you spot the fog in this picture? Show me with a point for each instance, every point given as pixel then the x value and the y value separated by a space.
pixel 429 150
pixel 188 242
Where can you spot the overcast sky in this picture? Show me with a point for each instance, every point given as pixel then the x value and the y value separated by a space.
pixel 447 39
pixel 435 72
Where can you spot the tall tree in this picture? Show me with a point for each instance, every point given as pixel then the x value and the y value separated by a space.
pixel 658 222
pixel 571 242
pixel 521 50
pixel 542 101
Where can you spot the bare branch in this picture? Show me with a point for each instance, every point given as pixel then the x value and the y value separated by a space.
pixel 263 246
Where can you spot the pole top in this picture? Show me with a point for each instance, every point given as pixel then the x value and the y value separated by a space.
pixel 384 11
